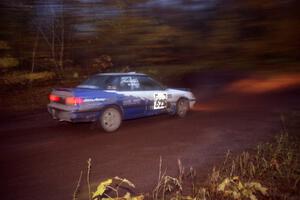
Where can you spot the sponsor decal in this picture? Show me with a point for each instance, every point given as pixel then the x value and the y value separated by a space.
pixel 130 82
pixel 130 102
pixel 94 100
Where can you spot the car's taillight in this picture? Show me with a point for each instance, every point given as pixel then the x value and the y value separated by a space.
pixel 74 100
pixel 54 98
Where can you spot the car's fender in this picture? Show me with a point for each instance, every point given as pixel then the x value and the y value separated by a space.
pixel 175 94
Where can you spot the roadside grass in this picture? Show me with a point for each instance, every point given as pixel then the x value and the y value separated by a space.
pixel 270 171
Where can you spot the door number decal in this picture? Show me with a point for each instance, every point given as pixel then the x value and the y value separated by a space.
pixel 160 101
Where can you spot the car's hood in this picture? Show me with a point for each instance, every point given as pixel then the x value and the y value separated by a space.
pixel 181 92
pixel 180 89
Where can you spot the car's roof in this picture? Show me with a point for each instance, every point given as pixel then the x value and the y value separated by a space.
pixel 121 74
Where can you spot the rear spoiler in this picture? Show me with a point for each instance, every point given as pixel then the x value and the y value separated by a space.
pixel 63 89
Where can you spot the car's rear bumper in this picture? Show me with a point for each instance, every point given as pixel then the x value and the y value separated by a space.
pixel 73 116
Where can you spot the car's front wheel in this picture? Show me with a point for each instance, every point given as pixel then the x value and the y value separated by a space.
pixel 110 119
pixel 182 107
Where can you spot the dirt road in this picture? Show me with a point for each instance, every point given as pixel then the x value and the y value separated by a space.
pixel 43 160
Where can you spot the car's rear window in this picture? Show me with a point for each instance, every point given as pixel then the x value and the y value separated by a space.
pixel 103 82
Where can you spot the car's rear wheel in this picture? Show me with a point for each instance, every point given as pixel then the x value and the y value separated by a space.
pixel 110 119
pixel 182 107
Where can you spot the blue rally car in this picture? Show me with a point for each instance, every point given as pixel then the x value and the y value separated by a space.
pixel 109 98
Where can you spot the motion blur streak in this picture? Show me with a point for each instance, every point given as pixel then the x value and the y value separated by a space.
pixel 264 84
pixel 207 107
pixel 246 90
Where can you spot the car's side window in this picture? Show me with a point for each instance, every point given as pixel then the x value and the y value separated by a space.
pixel 146 83
pixel 129 83
pixel 112 83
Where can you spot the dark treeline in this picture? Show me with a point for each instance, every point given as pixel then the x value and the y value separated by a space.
pixel 38 35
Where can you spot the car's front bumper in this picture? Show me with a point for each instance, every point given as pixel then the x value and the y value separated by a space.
pixel 171 108
pixel 192 102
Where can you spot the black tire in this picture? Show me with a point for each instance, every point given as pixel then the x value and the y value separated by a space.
pixel 182 107
pixel 110 119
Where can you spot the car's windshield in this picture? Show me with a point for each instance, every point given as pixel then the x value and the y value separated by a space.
pixel 100 82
